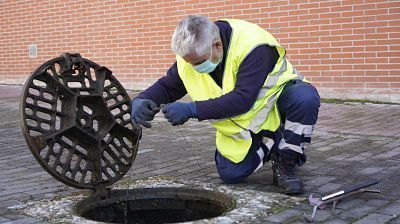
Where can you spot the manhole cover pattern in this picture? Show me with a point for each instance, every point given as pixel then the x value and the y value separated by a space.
pixel 75 117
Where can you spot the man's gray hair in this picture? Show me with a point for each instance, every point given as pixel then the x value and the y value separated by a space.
pixel 194 34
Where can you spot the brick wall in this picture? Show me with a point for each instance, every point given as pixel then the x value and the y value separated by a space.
pixel 348 48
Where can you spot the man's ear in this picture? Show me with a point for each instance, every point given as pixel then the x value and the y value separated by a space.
pixel 218 44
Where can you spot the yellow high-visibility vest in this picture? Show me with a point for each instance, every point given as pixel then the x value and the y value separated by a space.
pixel 233 138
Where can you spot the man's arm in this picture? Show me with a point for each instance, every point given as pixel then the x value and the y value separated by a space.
pixel 167 89
pixel 250 78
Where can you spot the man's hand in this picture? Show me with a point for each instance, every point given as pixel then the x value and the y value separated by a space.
pixel 178 113
pixel 143 110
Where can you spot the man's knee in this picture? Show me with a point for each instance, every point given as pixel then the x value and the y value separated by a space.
pixel 301 104
pixel 299 98
pixel 230 177
pixel 307 96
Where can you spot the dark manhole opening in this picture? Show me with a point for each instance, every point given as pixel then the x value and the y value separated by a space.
pixel 156 205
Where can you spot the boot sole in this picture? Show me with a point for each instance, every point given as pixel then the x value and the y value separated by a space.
pixel 286 190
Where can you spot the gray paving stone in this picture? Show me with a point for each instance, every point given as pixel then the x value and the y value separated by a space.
pixel 371 170
pixel 396 220
pixel 339 157
pixel 374 218
pixel 143 151
pixel 377 202
pixel 329 187
pixel 355 158
pixel 8 203
pixel 357 212
pixel 336 221
pixel 325 148
pixel 349 203
pixel 27 220
pixel 320 180
pixel 392 209
pixel 283 216
pixel 345 142
pixel 18 196
pixel 390 153
pixel 13 216
pixel 2 220
pixel 365 154
pixel 323 215
pixel 12 171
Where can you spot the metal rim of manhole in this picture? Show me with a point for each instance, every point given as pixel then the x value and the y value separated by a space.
pixel 156 205
pixel 75 117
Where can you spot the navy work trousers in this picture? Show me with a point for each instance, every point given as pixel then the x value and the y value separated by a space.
pixel 298 107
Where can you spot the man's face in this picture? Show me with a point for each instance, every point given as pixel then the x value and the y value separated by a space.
pixel 195 59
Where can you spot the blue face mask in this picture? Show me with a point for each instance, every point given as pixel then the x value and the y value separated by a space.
pixel 207 66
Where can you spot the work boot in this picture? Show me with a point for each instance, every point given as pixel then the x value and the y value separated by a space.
pixel 285 177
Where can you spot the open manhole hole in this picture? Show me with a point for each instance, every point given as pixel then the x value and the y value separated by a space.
pixel 75 117
pixel 156 205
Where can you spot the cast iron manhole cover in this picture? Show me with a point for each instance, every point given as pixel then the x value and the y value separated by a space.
pixel 75 117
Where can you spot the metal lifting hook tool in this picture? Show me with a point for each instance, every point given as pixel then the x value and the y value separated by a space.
pixel 336 196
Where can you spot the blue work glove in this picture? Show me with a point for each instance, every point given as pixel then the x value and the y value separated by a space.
pixel 178 113
pixel 143 110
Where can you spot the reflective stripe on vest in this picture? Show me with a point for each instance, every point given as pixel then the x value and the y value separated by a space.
pixel 259 119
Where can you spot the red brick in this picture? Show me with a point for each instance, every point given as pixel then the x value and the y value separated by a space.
pixel 300 12
pixel 343 79
pixel 353 73
pixel 366 79
pixel 365 6
pixel 331 85
pixel 353 85
pixel 376 48
pixel 365 67
pixel 395 85
pixel 363 30
pixel 377 85
pixel 394 60
pixel 352 61
pixel 339 20
pixel 389 54
pixel 352 2
pixel 389 79
pixel 342 43
pixel 376 60
pixel 381 25
pixel 364 54
pixel 376 36
pixel 391 66
pixel 374 73
pixel 321 79
pixel 394 72
pixel 357 39
pixel 394 10
pixel 342 8
pixel 353 49
pixel 331 73
pixel 330 4
pixel 341 55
